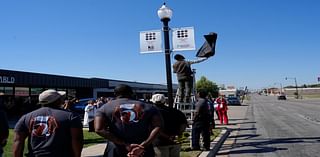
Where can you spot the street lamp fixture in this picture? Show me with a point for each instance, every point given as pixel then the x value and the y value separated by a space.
pixel 295 80
pixel 164 12
pixel 165 15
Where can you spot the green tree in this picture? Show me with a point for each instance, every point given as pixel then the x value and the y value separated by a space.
pixel 209 86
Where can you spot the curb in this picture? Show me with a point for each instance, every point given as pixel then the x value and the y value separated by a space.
pixel 96 150
pixel 216 143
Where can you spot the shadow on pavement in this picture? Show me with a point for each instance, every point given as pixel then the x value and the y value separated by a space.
pixel 257 150
pixel 241 123
pixel 266 145
pixel 230 119
pixel 244 136
pixel 243 129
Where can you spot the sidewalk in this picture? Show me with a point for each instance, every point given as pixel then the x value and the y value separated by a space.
pixel 94 151
pixel 236 116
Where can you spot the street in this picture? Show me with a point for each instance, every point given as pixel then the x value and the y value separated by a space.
pixel 272 127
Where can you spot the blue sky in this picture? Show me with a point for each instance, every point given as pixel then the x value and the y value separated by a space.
pixel 260 42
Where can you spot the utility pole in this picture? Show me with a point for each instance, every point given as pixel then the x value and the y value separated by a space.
pixel 295 80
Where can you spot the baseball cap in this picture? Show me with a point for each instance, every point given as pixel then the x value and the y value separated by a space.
pixel 50 96
pixel 158 98
pixel 178 57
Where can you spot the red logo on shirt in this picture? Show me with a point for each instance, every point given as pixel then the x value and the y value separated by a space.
pixel 42 126
pixel 129 113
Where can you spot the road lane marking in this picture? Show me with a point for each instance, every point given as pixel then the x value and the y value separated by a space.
pixel 308 118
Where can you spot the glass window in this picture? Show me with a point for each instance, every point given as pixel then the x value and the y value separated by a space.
pixel 8 90
pixel 36 91
pixel 62 89
pixel 71 93
pixel 1 90
pixel 21 91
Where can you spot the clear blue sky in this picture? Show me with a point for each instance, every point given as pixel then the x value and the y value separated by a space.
pixel 260 42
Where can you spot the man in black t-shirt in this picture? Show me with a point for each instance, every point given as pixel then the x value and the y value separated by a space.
pixel 201 122
pixel 129 124
pixel 52 131
pixel 4 130
pixel 175 122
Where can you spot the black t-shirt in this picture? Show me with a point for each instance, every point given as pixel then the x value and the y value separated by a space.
pixel 129 120
pixel 4 127
pixel 173 119
pixel 202 116
pixel 49 131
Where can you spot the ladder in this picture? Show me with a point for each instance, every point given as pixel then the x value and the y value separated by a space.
pixel 187 108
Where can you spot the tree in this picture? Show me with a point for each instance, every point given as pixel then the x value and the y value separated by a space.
pixel 207 85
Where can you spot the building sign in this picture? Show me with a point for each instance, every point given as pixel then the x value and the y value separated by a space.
pixel 183 39
pixel 7 79
pixel 231 87
pixel 150 41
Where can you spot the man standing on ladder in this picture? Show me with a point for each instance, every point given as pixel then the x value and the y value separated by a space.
pixel 184 73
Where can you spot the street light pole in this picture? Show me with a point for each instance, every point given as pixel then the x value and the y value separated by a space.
pixel 165 14
pixel 295 81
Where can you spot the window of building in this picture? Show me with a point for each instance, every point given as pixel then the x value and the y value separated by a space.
pixel 71 93
pixel 6 90
pixel 21 91
pixel 1 90
pixel 36 91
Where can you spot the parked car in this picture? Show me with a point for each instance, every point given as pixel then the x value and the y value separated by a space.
pixel 282 97
pixel 79 106
pixel 233 101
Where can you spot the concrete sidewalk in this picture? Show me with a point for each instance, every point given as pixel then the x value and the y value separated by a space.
pixel 94 151
pixel 236 116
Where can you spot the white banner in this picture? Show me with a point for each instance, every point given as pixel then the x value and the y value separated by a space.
pixel 183 39
pixel 150 41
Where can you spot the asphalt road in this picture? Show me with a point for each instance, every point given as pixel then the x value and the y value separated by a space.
pixel 271 127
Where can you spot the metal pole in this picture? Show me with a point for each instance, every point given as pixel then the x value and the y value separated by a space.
pixel 194 84
pixel 168 62
pixel 295 80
